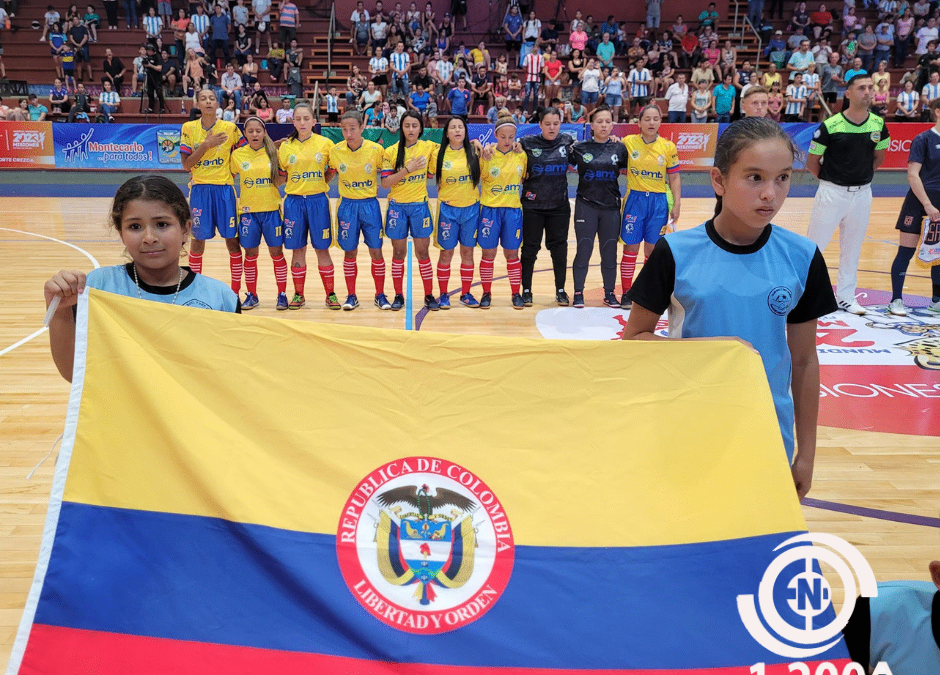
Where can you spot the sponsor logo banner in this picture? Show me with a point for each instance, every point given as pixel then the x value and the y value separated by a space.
pixel 26 145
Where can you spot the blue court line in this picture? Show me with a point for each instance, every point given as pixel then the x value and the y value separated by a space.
pixel 409 317
pixel 880 514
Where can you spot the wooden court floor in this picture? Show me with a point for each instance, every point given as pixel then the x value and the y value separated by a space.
pixel 892 473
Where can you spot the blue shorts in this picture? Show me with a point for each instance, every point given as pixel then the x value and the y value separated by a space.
pixel 415 217
pixel 213 208
pixel 355 215
pixel 644 217
pixel 252 225
pixel 589 97
pixel 500 225
pixel 456 223
pixel 613 99
pixel 307 213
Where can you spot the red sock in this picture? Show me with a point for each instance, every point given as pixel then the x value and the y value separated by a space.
pixel 251 273
pixel 235 264
pixel 627 268
pixel 195 262
pixel 350 271
pixel 398 275
pixel 466 278
pixel 280 273
pixel 378 275
pixel 486 274
pixel 427 275
pixel 443 277
pixel 300 276
pixel 514 269
pixel 326 275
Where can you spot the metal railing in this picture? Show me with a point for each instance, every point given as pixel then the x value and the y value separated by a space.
pixel 742 22
pixel 329 44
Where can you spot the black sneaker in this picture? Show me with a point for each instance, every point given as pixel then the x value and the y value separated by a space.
pixel 398 302
pixel 611 300
pixel 625 302
pixel 517 301
pixel 578 300
pixel 562 298
pixel 430 302
pixel 485 301
pixel 527 297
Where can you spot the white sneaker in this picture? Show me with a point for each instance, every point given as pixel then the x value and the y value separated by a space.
pixel 934 307
pixel 897 307
pixel 852 307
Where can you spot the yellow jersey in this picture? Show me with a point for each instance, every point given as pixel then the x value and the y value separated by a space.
pixel 213 168
pixel 501 179
pixel 257 193
pixel 304 164
pixel 454 185
pixel 413 187
pixel 650 163
pixel 358 169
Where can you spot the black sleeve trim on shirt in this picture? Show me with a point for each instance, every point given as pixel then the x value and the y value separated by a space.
pixel 654 285
pixel 935 618
pixel 163 290
pixel 857 633
pixel 818 299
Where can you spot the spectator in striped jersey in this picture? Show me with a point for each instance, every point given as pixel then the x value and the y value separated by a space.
pixel 906 110
pixel 796 100
pixel 930 91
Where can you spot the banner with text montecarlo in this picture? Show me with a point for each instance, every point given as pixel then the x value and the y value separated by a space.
pixel 144 147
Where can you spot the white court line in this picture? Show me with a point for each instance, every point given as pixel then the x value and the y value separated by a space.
pixel 58 241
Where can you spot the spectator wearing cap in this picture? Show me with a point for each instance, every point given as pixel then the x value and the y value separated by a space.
pixel 776 44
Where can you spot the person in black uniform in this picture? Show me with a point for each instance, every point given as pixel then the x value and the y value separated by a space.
pixel 597 208
pixel 546 210
pixel 154 68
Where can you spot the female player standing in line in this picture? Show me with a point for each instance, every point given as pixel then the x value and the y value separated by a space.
pixel 739 276
pixel 359 163
pixel 546 210
pixel 151 216
pixel 206 151
pixel 501 214
pixel 920 205
pixel 304 161
pixel 259 209
pixel 654 170
pixel 458 201
pixel 405 170
pixel 597 208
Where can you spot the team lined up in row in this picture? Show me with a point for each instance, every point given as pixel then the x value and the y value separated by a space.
pixel 504 195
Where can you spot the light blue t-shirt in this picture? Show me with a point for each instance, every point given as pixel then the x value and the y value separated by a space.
pixel 713 288
pixel 724 97
pixel 195 289
pixel 902 633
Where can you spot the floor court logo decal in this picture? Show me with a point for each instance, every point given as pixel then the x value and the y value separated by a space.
pixel 878 372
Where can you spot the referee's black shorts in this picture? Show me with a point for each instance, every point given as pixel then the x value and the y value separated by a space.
pixel 911 218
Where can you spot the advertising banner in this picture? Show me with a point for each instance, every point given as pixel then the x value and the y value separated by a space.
pixel 155 147
pixel 26 145
pixel 117 146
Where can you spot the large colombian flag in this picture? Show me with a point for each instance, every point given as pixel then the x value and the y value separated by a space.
pixel 244 495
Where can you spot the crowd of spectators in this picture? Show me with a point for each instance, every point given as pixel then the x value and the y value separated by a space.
pixel 420 61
